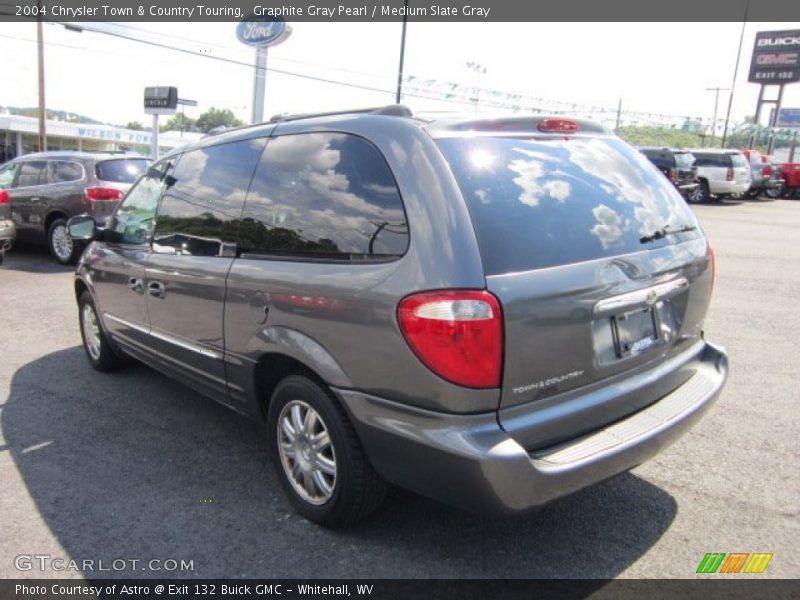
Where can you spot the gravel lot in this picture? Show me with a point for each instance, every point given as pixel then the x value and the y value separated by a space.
pixel 134 466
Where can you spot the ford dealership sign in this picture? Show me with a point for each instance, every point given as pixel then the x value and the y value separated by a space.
pixel 255 32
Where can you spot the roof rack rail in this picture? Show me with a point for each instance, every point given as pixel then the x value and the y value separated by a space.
pixel 391 110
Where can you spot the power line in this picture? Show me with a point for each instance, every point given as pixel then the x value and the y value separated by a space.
pixel 246 64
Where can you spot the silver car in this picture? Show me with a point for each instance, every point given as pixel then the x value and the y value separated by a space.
pixel 490 312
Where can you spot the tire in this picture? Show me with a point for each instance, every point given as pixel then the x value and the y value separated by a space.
pixel 62 248
pixel 334 486
pixel 99 351
pixel 701 194
pixel 774 192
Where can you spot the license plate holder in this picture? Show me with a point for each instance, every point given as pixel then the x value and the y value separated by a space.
pixel 634 331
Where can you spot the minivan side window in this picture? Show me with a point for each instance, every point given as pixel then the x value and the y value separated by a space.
pixel 133 221
pixel 32 173
pixel 323 196
pixel 201 210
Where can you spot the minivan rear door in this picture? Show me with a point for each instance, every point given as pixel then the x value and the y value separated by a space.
pixel 600 266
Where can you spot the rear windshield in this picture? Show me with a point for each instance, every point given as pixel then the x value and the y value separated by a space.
pixel 121 170
pixel 684 160
pixel 712 160
pixel 542 203
pixel 739 160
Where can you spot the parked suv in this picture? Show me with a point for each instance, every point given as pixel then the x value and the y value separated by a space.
pixel 722 173
pixel 47 188
pixel 493 313
pixel 677 166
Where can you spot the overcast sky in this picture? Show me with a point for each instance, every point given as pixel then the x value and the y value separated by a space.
pixel 653 67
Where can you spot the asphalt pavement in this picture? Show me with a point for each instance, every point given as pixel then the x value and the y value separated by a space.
pixel 134 467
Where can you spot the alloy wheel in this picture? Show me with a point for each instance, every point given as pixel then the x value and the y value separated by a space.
pixel 306 451
pixel 61 242
pixel 91 331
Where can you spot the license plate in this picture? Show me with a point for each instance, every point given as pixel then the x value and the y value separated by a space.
pixel 634 332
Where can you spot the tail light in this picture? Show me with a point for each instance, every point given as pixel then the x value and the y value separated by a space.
pixel 456 334
pixel 4 197
pixel 729 176
pixel 767 171
pixel 673 175
pixel 102 194
pixel 558 126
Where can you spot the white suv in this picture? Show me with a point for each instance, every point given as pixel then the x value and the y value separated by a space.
pixel 721 173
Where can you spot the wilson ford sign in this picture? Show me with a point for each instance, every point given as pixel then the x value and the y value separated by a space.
pixel 255 32
pixel 776 57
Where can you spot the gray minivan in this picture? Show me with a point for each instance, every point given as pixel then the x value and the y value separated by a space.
pixel 490 312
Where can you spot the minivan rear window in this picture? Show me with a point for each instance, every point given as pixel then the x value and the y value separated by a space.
pixel 543 203
pixel 121 170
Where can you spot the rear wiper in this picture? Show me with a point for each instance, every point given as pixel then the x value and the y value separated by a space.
pixel 664 232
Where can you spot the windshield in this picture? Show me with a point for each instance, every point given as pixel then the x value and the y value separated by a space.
pixel 121 170
pixel 542 203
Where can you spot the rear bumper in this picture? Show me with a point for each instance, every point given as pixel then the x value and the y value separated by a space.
pixel 470 461
pixel 8 233
pixel 729 187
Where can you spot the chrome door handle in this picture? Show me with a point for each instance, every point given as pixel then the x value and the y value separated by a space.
pixel 136 284
pixel 35 199
pixel 156 289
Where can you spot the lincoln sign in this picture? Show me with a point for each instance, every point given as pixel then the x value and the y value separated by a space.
pixel 776 57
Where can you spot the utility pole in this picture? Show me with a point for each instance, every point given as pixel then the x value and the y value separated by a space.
pixel 619 114
pixel 42 105
pixel 402 54
pixel 735 71
pixel 716 91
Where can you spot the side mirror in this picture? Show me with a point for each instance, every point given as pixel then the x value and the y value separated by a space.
pixel 82 227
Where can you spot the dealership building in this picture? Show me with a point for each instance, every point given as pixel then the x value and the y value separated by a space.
pixel 20 135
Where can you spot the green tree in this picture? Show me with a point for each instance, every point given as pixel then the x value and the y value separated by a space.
pixel 179 122
pixel 216 117
pixel 658 136
pixel 135 126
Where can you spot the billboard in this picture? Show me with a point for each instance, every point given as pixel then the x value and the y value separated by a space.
pixel 789 117
pixel 776 57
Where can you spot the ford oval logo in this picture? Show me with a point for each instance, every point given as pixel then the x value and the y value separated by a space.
pixel 262 33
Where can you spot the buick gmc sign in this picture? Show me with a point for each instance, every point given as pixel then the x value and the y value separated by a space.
pixel 776 57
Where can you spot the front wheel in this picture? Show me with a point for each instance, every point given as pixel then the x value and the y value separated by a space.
pixel 99 351
pixel 318 457
pixel 63 249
